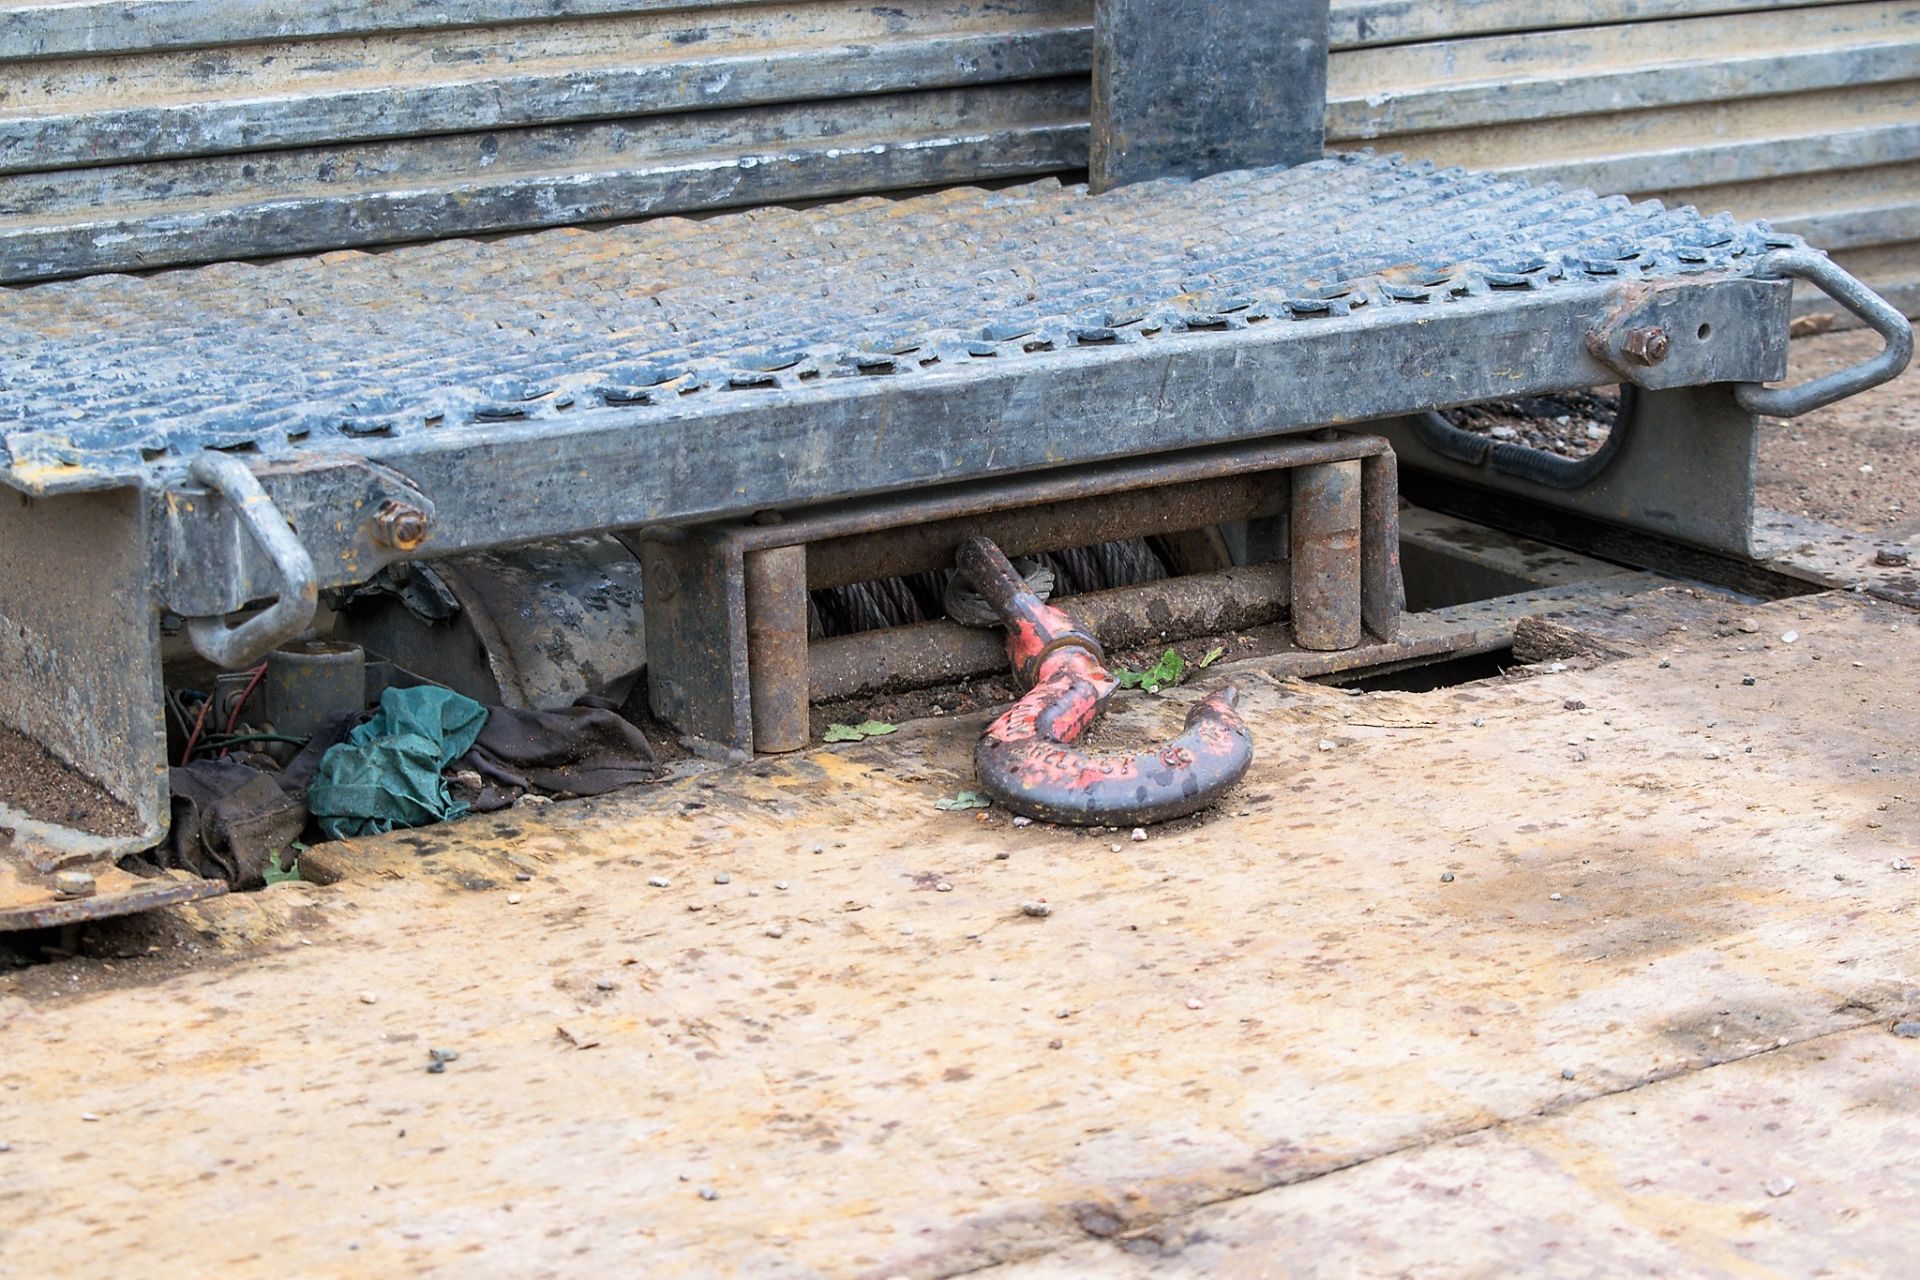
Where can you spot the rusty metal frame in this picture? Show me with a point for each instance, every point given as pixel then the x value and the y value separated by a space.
pixel 718 596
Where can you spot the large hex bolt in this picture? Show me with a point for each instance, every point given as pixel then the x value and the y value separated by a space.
pixel 1645 346
pixel 400 526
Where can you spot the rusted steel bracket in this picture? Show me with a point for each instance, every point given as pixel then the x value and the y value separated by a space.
pixel 1026 759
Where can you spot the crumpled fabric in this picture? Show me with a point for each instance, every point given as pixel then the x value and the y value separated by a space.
pixel 387 772
pixel 228 819
pixel 583 750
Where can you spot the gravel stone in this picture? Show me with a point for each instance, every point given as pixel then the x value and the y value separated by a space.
pixel 721 877
pixel 1036 909
pixel 658 882
pixel 1907 1029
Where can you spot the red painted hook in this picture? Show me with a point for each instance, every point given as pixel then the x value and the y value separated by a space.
pixel 1026 759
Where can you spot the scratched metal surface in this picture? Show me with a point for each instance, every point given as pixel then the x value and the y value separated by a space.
pixel 317 355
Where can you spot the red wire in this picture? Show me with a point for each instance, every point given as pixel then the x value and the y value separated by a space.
pixel 233 717
pixel 187 753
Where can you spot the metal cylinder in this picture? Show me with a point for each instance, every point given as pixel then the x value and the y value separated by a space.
pixel 1326 555
pixel 930 653
pixel 309 680
pixel 776 598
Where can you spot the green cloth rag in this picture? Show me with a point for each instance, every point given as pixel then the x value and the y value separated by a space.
pixel 387 773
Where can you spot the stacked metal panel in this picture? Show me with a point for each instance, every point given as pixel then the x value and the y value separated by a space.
pixel 168 131
pixel 1803 112
pixel 157 132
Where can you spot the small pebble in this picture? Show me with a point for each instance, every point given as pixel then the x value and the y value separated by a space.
pixel 1907 1029
pixel 658 882
pixel 1750 626
pixel 1139 834
pixel 523 876
pixel 603 984
pixel 1779 1185
pixel 436 1068
pixel 1021 821
pixel 1478 722
pixel 1553 897
pixel 1113 848
pixel 1901 864
pixel 721 877
pixel 775 931
pixel 367 997
pixel 1035 909
pixel 1711 755
pixel 906 930
pixel 779 884
pixel 942 886
pixel 1788 637
pixel 1664 664
pixel 89 1117
pixel 708 1193
pixel 1002 856
pixel 444 1055
pixel 1326 744
pixel 1747 680
pixel 1574 704
pixel 1566 1073
pixel 1195 1002
pixel 513 899
pixel 5 1147
pixel 1055 1044
pixel 1446 877
pixel 1063 1013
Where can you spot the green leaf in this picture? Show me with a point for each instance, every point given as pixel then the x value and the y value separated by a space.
pixel 837 732
pixel 1211 656
pixel 964 800
pixel 1164 674
pixel 275 873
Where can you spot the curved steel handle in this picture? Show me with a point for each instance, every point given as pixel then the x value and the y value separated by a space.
pixel 298 590
pixel 1873 310
pixel 1026 759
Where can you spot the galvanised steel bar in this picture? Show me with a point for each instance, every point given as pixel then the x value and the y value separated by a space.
pixel 1185 90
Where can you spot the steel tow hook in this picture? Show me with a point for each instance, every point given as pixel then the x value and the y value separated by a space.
pixel 1026 759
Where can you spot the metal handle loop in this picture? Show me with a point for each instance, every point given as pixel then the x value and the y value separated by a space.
pixel 298 590
pixel 1876 312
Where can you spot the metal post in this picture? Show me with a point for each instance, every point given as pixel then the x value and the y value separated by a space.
pixel 776 584
pixel 1185 89
pixel 696 614
pixel 1326 555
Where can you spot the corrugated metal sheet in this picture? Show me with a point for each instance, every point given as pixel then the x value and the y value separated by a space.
pixel 1805 114
pixel 168 131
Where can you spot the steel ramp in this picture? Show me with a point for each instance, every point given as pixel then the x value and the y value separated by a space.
pixel 199 441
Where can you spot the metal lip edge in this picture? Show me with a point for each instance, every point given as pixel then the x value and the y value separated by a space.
pixel 979 376
pixel 66 844
pixel 713 407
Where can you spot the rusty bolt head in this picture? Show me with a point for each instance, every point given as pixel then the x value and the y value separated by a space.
pixel 400 526
pixel 1647 346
